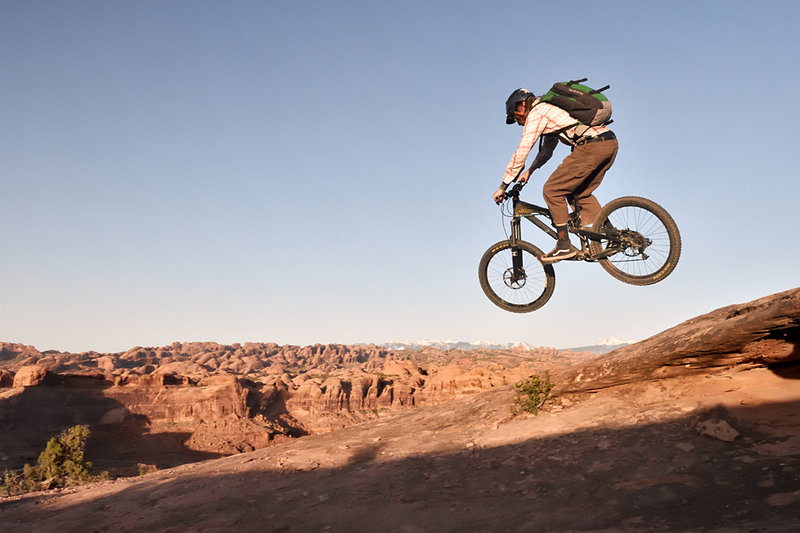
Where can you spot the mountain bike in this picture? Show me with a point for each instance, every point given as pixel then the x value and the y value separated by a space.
pixel 634 239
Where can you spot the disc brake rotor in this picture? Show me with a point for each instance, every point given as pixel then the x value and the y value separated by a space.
pixel 511 283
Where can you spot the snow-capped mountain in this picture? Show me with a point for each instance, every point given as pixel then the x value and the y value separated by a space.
pixel 613 341
pixel 449 344
pixel 603 346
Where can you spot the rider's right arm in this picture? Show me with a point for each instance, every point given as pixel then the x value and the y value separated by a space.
pixel 534 126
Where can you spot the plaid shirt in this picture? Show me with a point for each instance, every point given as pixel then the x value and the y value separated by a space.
pixel 546 119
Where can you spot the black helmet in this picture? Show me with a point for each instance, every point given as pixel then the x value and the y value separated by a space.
pixel 516 98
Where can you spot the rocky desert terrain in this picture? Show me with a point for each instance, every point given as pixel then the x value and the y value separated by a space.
pixel 694 429
pixel 190 401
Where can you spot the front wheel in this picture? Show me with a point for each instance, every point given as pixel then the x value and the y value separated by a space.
pixel 522 289
pixel 647 245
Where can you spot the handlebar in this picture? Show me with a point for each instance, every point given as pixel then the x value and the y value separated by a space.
pixel 515 190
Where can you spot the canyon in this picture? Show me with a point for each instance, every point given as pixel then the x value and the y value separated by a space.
pixel 694 429
pixel 184 402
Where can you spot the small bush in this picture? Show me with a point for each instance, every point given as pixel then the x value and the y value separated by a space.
pixel 146 469
pixel 531 394
pixel 61 464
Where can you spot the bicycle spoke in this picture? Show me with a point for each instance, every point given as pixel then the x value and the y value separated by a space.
pixel 648 245
pixel 519 291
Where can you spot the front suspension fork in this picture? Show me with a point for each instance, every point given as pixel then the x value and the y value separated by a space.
pixel 516 254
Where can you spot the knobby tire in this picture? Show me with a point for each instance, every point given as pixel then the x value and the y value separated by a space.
pixel 522 297
pixel 648 219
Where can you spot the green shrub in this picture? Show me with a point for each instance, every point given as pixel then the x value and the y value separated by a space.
pixel 61 464
pixel 62 459
pixel 146 469
pixel 531 394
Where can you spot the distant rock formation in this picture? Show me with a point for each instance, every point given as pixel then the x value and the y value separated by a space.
pixel 205 398
pixel 190 401
pixel 6 379
pixel 11 352
pixel 29 376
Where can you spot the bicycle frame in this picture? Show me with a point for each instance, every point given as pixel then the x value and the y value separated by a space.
pixel 531 212
pixel 619 241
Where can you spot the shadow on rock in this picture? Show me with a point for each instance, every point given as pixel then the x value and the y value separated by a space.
pixel 653 477
pixel 119 440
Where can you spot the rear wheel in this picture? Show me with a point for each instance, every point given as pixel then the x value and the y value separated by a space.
pixel 521 291
pixel 649 244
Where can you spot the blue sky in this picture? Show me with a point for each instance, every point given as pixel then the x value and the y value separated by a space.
pixel 322 171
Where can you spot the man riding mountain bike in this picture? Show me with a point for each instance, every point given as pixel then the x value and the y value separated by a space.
pixel 594 149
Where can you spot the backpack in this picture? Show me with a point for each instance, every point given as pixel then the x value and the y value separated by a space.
pixel 583 103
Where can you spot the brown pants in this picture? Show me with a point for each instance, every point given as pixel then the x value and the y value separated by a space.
pixel 577 177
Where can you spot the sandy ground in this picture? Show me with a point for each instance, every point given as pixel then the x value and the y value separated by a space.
pixel 626 458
